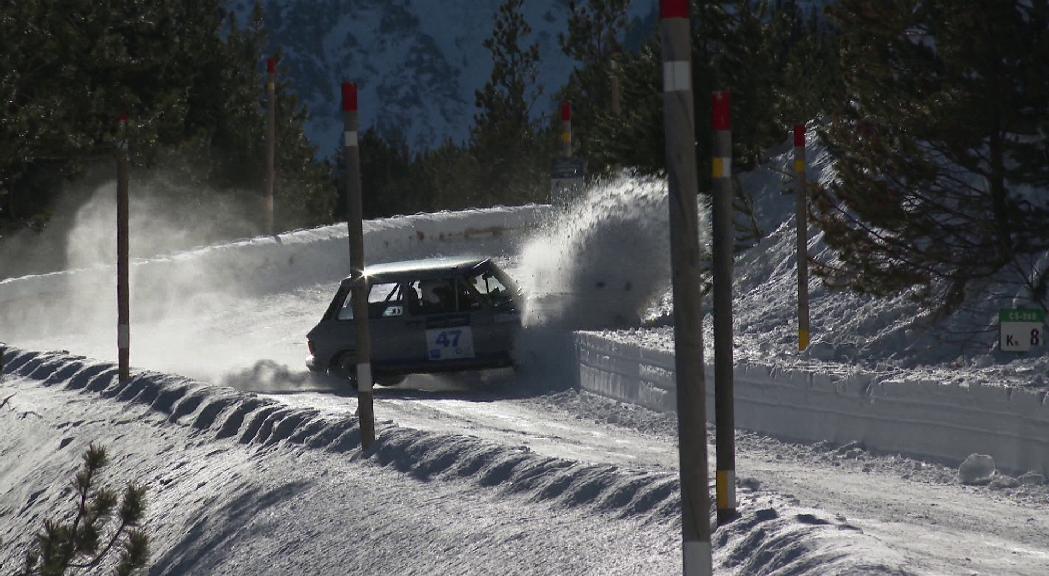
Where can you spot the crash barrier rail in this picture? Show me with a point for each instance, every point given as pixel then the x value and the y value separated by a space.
pixel 923 418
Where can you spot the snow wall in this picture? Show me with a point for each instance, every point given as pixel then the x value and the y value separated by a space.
pixel 945 422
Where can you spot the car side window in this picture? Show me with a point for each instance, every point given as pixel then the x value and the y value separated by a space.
pixel 346 308
pixel 385 301
pixel 432 296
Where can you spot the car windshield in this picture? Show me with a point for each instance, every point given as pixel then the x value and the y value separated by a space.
pixel 489 285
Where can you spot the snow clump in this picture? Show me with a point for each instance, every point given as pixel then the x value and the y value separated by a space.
pixel 976 469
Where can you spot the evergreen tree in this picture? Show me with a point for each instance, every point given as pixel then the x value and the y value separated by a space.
pixel 940 147
pixel 511 151
pixel 184 73
pixel 84 542
pixel 595 41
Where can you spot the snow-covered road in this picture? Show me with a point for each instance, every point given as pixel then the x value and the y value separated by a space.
pixel 916 509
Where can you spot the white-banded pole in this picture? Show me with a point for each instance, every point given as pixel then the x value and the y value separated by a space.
pixel 679 123
pixel 271 142
pixel 566 129
pixel 723 244
pixel 802 222
pixel 359 289
pixel 123 285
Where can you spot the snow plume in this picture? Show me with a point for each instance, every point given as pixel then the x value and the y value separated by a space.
pixel 79 303
pixel 603 259
pixel 270 377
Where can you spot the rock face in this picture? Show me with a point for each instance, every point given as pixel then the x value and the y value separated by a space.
pixel 976 469
pixel 417 62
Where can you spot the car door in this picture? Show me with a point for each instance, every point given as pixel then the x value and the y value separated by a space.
pixel 493 313
pixel 388 317
pixel 443 331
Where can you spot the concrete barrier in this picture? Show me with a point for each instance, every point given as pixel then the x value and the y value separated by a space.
pixel 944 422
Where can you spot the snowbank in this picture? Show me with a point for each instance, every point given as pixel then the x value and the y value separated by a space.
pixel 924 418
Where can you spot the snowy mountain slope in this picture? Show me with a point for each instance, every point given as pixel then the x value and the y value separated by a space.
pixel 238 485
pixel 418 62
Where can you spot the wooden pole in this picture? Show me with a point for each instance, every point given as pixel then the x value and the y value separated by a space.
pixel 566 129
pixel 801 217
pixel 359 290
pixel 723 244
pixel 678 120
pixel 271 142
pixel 123 287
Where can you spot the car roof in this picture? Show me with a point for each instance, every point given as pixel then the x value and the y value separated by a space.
pixel 421 269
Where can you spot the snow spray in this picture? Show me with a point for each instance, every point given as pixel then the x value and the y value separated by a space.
pixel 603 260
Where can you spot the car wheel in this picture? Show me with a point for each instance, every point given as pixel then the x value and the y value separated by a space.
pixel 345 368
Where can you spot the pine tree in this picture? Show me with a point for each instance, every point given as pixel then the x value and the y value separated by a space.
pixel 594 40
pixel 183 72
pixel 507 144
pixel 86 541
pixel 940 146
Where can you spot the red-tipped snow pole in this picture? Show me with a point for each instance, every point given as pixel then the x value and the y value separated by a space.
pixel 566 129
pixel 123 272
pixel 801 217
pixel 271 144
pixel 678 121
pixel 359 289
pixel 723 244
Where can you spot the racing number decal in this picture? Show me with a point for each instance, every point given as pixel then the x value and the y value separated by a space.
pixel 449 343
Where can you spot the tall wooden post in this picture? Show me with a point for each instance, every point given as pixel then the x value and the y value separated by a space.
pixel 359 290
pixel 271 142
pixel 678 120
pixel 801 218
pixel 723 244
pixel 123 285
pixel 566 129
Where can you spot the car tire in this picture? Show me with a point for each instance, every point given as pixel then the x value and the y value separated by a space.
pixel 345 368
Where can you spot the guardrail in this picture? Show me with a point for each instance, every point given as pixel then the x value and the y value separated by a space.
pixel 944 422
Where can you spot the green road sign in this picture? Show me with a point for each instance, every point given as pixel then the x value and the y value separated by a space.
pixel 1020 329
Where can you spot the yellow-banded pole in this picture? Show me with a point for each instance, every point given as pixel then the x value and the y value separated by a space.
pixel 566 129
pixel 123 285
pixel 724 239
pixel 802 222
pixel 359 287
pixel 271 143
pixel 679 124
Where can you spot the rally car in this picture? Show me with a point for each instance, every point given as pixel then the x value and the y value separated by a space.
pixel 424 316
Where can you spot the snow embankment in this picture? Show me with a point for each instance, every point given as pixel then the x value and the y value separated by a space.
pixel 925 418
pixel 239 484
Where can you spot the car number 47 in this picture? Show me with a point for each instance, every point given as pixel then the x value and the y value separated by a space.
pixel 448 338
